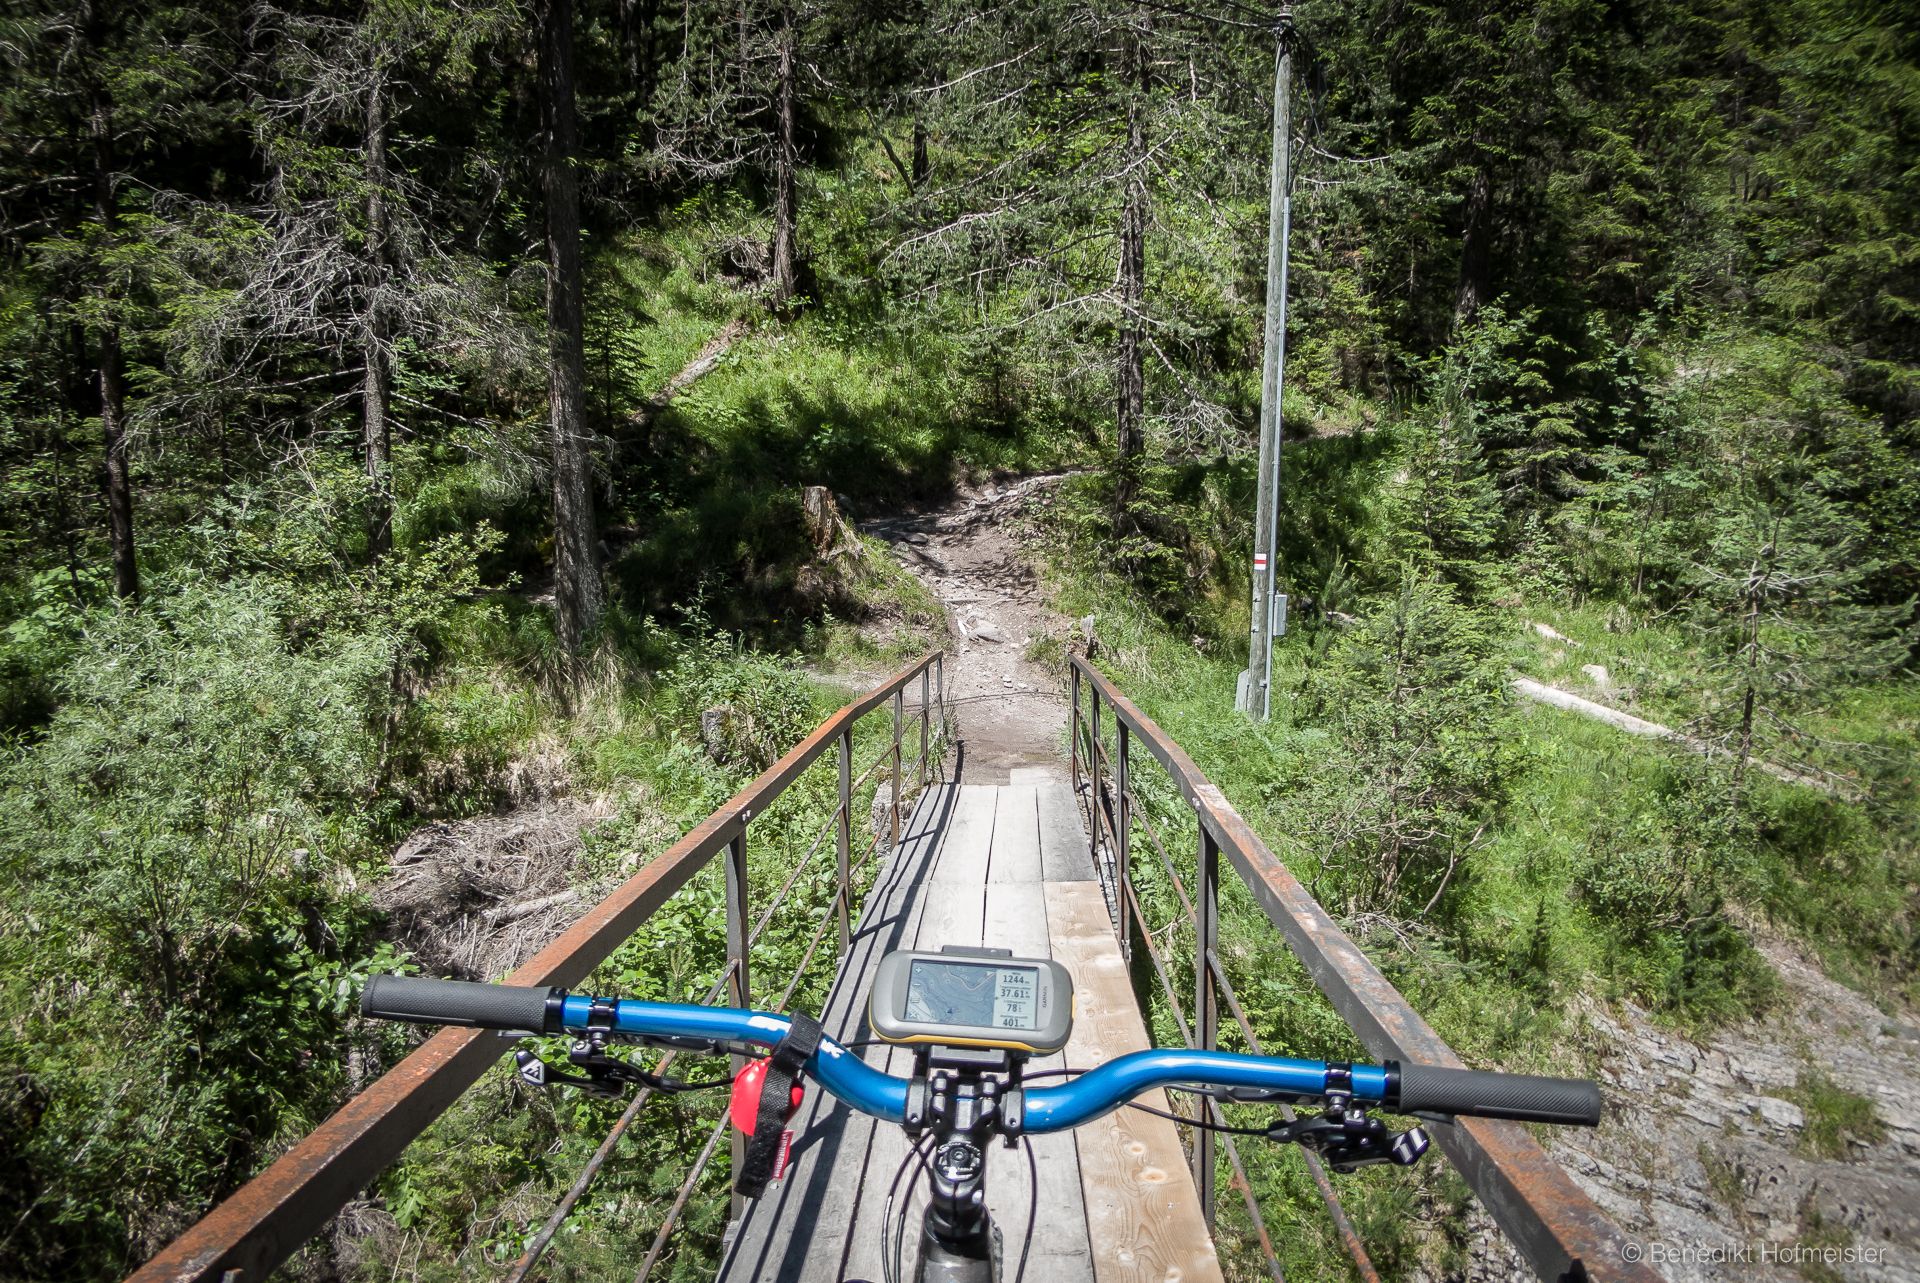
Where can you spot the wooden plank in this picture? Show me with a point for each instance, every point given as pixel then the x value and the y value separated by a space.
pixel 954 913
pixel 799 1231
pixel 1016 835
pixel 1063 840
pixel 1017 919
pixel 1143 1216
pixel 1034 1190
pixel 968 844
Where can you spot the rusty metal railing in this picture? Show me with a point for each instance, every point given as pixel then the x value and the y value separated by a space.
pixel 1556 1227
pixel 244 1238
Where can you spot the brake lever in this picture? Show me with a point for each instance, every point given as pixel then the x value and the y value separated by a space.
pixel 535 1072
pixel 606 1076
pixel 1348 1138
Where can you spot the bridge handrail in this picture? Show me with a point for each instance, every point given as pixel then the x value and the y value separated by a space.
pixel 251 1232
pixel 1555 1225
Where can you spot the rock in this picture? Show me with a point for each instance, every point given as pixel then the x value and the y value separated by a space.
pixel 716 732
pixel 986 631
pixel 1598 675
pixel 1783 1114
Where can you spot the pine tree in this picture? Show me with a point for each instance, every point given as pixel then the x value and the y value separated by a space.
pixel 1411 754
pixel 1782 631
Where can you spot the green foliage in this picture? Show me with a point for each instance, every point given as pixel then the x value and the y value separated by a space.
pixel 1776 606
pixel 1443 513
pixel 206 687
pixel 1600 313
pixel 1412 756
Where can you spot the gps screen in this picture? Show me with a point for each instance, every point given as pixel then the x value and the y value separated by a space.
pixel 975 994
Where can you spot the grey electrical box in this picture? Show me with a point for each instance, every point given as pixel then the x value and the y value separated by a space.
pixel 1279 614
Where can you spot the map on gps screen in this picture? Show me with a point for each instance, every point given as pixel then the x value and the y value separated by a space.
pixel 972 994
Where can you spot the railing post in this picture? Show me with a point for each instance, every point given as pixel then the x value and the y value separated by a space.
pixel 926 713
pixel 1206 1011
pixel 1073 727
pixel 899 715
pixel 843 839
pixel 1123 839
pixel 739 991
pixel 1097 794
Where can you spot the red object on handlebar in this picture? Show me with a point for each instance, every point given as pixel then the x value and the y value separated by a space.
pixel 745 1105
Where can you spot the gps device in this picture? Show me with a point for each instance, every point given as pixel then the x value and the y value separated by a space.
pixel 972 998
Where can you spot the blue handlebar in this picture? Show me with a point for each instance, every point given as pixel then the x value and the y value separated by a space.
pixel 1440 1090
pixel 1048 1109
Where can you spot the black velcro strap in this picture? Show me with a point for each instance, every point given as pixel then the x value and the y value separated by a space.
pixel 789 1057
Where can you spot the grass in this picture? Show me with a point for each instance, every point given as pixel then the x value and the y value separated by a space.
pixel 707 498
pixel 1835 1118
pixel 1838 873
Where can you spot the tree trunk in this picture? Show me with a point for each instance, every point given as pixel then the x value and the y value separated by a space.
pixel 111 376
pixel 921 167
pixel 786 248
pixel 376 386
pixel 578 595
pixel 1476 249
pixel 1130 373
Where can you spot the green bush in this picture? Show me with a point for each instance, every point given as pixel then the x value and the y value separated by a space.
pixel 178 943
pixel 181 933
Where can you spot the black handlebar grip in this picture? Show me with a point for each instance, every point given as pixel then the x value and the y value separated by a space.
pixel 1434 1089
pixel 459 1002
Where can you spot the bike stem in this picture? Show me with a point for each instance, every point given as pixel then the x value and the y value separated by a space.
pixel 964 1107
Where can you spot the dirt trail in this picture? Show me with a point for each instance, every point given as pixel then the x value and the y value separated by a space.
pixel 1012 714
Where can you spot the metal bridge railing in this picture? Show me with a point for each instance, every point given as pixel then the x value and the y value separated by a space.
pixel 1556 1227
pixel 244 1238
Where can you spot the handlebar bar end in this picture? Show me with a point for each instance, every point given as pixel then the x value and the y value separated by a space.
pixel 419 1000
pixel 1476 1093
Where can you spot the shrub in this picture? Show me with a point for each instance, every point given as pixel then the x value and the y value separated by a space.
pixel 180 937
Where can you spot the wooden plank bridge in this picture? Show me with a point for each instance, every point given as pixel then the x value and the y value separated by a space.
pixel 998 865
pixel 1041 863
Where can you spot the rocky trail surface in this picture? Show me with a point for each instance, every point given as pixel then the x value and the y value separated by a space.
pixel 1011 712
pixel 1710 1155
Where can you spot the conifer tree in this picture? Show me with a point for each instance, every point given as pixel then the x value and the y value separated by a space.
pixel 1781 627
pixel 579 593
pixel 1414 755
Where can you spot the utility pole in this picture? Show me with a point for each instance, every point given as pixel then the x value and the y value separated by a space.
pixel 1255 694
